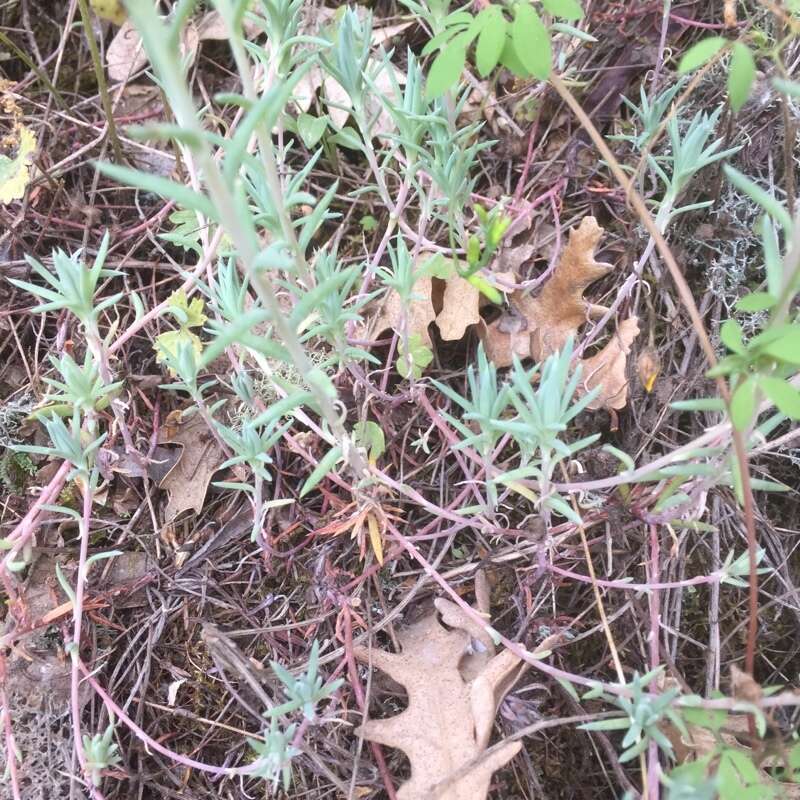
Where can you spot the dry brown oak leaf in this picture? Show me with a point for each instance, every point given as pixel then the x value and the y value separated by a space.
pixel 455 683
pixel 453 304
pixel 187 482
pixel 537 327
pixel 608 369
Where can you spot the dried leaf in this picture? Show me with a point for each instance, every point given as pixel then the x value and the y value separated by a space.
pixel 559 310
pixel 608 368
pixel 514 258
pixel 455 683
pixel 15 171
pixel 537 327
pixel 505 337
pixel 419 313
pixel 460 309
pixel 126 55
pixel 648 366
pixel 440 296
pixel 187 482
pixel 316 24
pixel 340 104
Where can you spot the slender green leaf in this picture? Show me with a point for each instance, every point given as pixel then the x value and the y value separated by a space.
pixel 569 30
pixel 171 190
pixel 791 88
pixel 326 464
pixel 743 403
pixel 699 404
pixel 619 724
pixel 445 70
pixel 491 41
pixel 565 9
pixel 347 137
pixel 531 41
pixel 782 393
pixel 741 74
pixel 700 53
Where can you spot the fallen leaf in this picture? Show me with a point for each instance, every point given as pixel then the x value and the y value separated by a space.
pixel 648 366
pixel 323 23
pixel 506 337
pixel 187 482
pixel 514 258
pixel 537 327
pixel 745 687
pixel 608 368
pixel 15 170
pixel 419 313
pixel 455 683
pixel 729 14
pixel 451 302
pixel 340 105
pixel 112 10
pixel 460 309
pixel 559 310
pixel 126 56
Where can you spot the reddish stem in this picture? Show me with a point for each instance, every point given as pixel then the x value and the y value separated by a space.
pixel 358 691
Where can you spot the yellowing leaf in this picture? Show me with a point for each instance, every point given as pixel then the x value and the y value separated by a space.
pixel 112 10
pixel 15 172
pixel 375 538
pixel 648 365
pixel 189 315
pixel 167 344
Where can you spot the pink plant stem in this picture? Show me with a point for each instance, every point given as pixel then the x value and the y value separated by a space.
pixel 653 766
pixel 402 196
pixel 638 587
pixel 693 23
pixel 452 439
pixel 523 178
pixel 361 700
pixel 77 621
pixel 27 525
pixel 151 743
pixel 11 748
pixel 514 647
